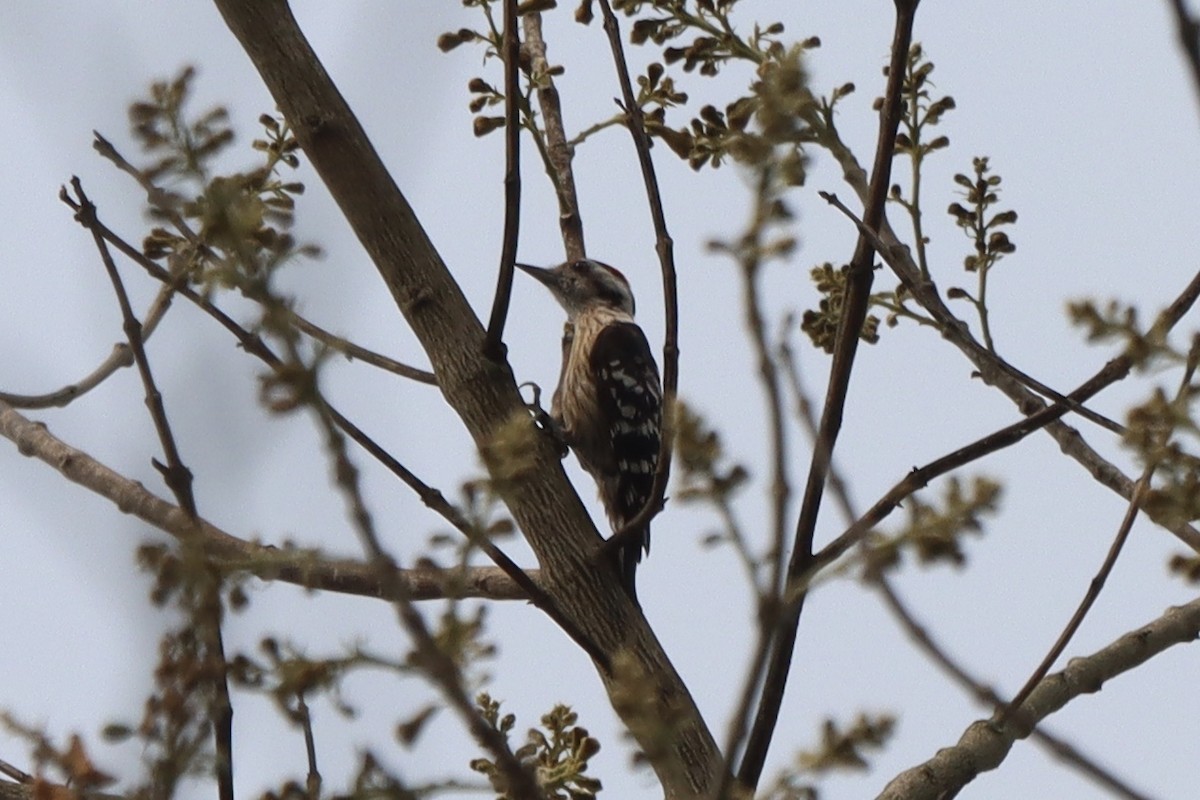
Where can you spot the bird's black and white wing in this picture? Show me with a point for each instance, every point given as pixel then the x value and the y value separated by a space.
pixel 629 396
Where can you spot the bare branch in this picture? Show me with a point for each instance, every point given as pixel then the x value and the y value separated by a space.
pixel 1089 597
pixel 780 492
pixel 1056 745
pixel 438 665
pixel 665 246
pixel 120 357
pixel 303 568
pixel 360 353
pixel 17 774
pixel 1027 380
pixel 854 310
pixel 154 196
pixel 431 497
pixel 176 475
pixel 494 345
pixel 1189 38
pixel 1182 396
pixel 559 154
pixel 919 478
pixel 985 744
pixel 206 613
pixel 312 783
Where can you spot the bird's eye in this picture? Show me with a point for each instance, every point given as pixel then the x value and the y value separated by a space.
pixel 579 266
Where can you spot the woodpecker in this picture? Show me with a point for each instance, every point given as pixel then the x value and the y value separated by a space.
pixel 608 404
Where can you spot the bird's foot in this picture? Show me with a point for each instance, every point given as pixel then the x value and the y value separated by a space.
pixel 544 420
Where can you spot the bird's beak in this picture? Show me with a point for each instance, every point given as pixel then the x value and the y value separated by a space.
pixel 544 276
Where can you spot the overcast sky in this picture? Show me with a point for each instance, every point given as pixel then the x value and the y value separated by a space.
pixel 1085 110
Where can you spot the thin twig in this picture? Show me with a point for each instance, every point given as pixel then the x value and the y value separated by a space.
pixel 558 153
pixel 120 357
pixel 155 196
pixel 312 782
pixel 596 127
pixel 770 593
pixel 1059 747
pixel 359 353
pixel 175 474
pixel 494 343
pixel 158 199
pixel 307 568
pixel 18 775
pixel 207 611
pixel 919 478
pixel 1189 38
pixel 1089 597
pixel 854 309
pixel 1072 443
pixel 665 247
pixel 769 375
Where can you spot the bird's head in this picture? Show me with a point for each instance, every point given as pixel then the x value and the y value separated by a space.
pixel 585 284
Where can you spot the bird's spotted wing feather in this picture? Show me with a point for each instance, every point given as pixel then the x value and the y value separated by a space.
pixel 630 399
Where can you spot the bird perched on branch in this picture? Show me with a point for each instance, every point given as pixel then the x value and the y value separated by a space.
pixel 608 404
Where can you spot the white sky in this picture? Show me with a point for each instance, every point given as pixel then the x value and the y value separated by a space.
pixel 1086 112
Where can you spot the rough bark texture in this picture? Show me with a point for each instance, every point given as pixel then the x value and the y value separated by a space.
pixel 483 394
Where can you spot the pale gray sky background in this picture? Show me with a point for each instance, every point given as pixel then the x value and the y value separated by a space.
pixel 1086 111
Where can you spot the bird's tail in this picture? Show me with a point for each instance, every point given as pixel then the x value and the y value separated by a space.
pixel 628 558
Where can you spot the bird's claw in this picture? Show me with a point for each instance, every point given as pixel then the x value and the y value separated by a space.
pixel 544 420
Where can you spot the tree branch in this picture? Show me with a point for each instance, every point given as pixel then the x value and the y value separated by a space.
pixel 439 666
pixel 206 610
pixel 1189 38
pixel 1026 379
pixel 154 197
pixel 984 745
pixel 918 633
pixel 1055 745
pixel 356 352
pixel 992 370
pixel 305 568
pixel 1182 397
pixel 558 153
pixel 494 345
pixel 919 478
pixel 854 310
pixel 431 497
pixel 636 123
pixel 120 357
pixel 768 593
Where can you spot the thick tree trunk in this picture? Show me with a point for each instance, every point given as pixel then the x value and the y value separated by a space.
pixel 646 690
